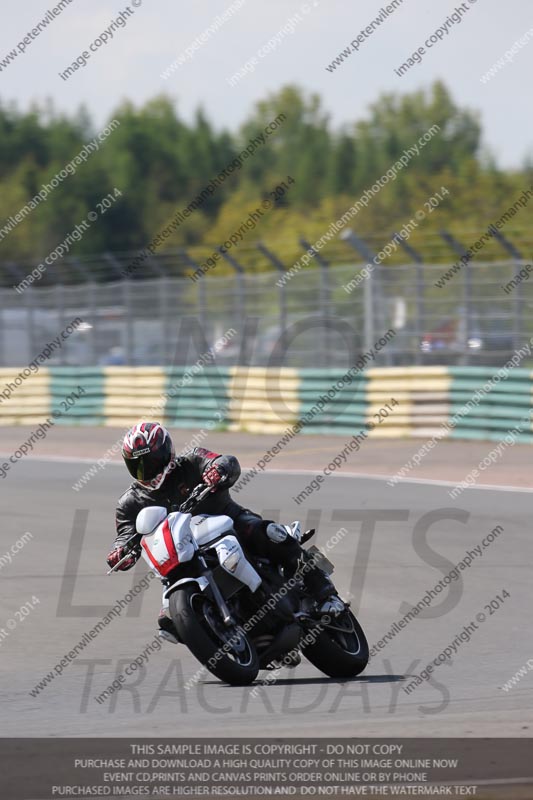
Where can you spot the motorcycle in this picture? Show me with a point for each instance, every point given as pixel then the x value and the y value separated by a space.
pixel 237 613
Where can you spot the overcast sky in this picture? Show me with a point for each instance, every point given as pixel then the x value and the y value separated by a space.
pixel 158 31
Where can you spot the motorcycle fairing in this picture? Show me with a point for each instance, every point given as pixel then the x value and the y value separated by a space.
pixel 149 518
pixel 232 559
pixel 170 544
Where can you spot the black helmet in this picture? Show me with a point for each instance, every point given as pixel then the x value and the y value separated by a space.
pixel 148 453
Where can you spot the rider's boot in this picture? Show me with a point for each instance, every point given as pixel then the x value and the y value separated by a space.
pixel 166 629
pixel 320 587
pixel 315 579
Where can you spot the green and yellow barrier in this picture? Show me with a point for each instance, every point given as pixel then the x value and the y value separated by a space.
pixel 194 397
pixel 263 400
pixel 26 399
pixel 130 393
pixel 419 397
pixel 394 402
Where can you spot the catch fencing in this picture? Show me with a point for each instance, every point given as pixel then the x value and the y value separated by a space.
pixel 476 318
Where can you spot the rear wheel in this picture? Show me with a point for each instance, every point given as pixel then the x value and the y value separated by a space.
pixel 225 651
pixel 340 650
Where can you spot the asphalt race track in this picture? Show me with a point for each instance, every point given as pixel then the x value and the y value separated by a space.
pixel 393 563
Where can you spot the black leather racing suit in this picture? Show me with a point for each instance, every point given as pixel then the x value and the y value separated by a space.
pixel 250 528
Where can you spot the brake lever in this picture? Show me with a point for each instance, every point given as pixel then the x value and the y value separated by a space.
pixel 195 497
pixel 128 554
pixel 122 560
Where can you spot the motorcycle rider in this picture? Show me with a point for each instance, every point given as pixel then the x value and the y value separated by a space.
pixel 163 479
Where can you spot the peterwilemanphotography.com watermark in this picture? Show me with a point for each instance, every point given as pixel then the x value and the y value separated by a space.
pixel 287 317
pixel 105 37
pixel 56 180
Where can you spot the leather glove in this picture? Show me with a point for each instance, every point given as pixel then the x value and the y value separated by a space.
pixel 213 476
pixel 118 553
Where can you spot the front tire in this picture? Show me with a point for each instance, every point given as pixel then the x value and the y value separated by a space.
pixel 226 652
pixel 341 649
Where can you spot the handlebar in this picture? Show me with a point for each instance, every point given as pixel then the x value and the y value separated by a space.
pixel 127 554
pixel 195 497
pixel 188 505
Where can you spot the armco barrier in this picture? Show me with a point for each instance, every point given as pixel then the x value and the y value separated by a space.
pixel 345 408
pixel 88 408
pixel 263 400
pixel 419 397
pixel 131 393
pixel 495 407
pixel 196 399
pixel 24 400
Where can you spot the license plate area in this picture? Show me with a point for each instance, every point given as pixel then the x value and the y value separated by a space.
pixel 320 559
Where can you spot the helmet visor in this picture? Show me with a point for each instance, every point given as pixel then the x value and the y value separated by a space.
pixel 144 465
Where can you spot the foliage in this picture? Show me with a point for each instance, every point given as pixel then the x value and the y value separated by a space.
pixel 161 163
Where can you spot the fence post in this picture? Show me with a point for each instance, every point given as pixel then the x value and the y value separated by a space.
pixel 126 293
pixel 32 345
pixel 461 251
pixel 240 305
pixel 282 299
pixel 324 297
pixel 420 290
pixel 368 287
pixel 202 291
pixel 92 321
pixel 164 293
pixel 519 290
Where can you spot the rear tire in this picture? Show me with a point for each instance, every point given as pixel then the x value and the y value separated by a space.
pixel 197 620
pixel 341 649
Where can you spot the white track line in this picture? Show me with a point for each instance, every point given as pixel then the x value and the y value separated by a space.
pixel 430 481
pixel 344 474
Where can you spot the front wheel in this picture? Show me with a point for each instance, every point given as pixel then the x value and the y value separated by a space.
pixel 340 650
pixel 225 651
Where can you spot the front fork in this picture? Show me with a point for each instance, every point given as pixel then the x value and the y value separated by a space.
pixel 219 600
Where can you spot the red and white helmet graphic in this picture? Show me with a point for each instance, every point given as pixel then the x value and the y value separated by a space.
pixel 148 452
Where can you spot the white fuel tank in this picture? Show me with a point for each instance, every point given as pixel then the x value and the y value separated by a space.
pixel 206 529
